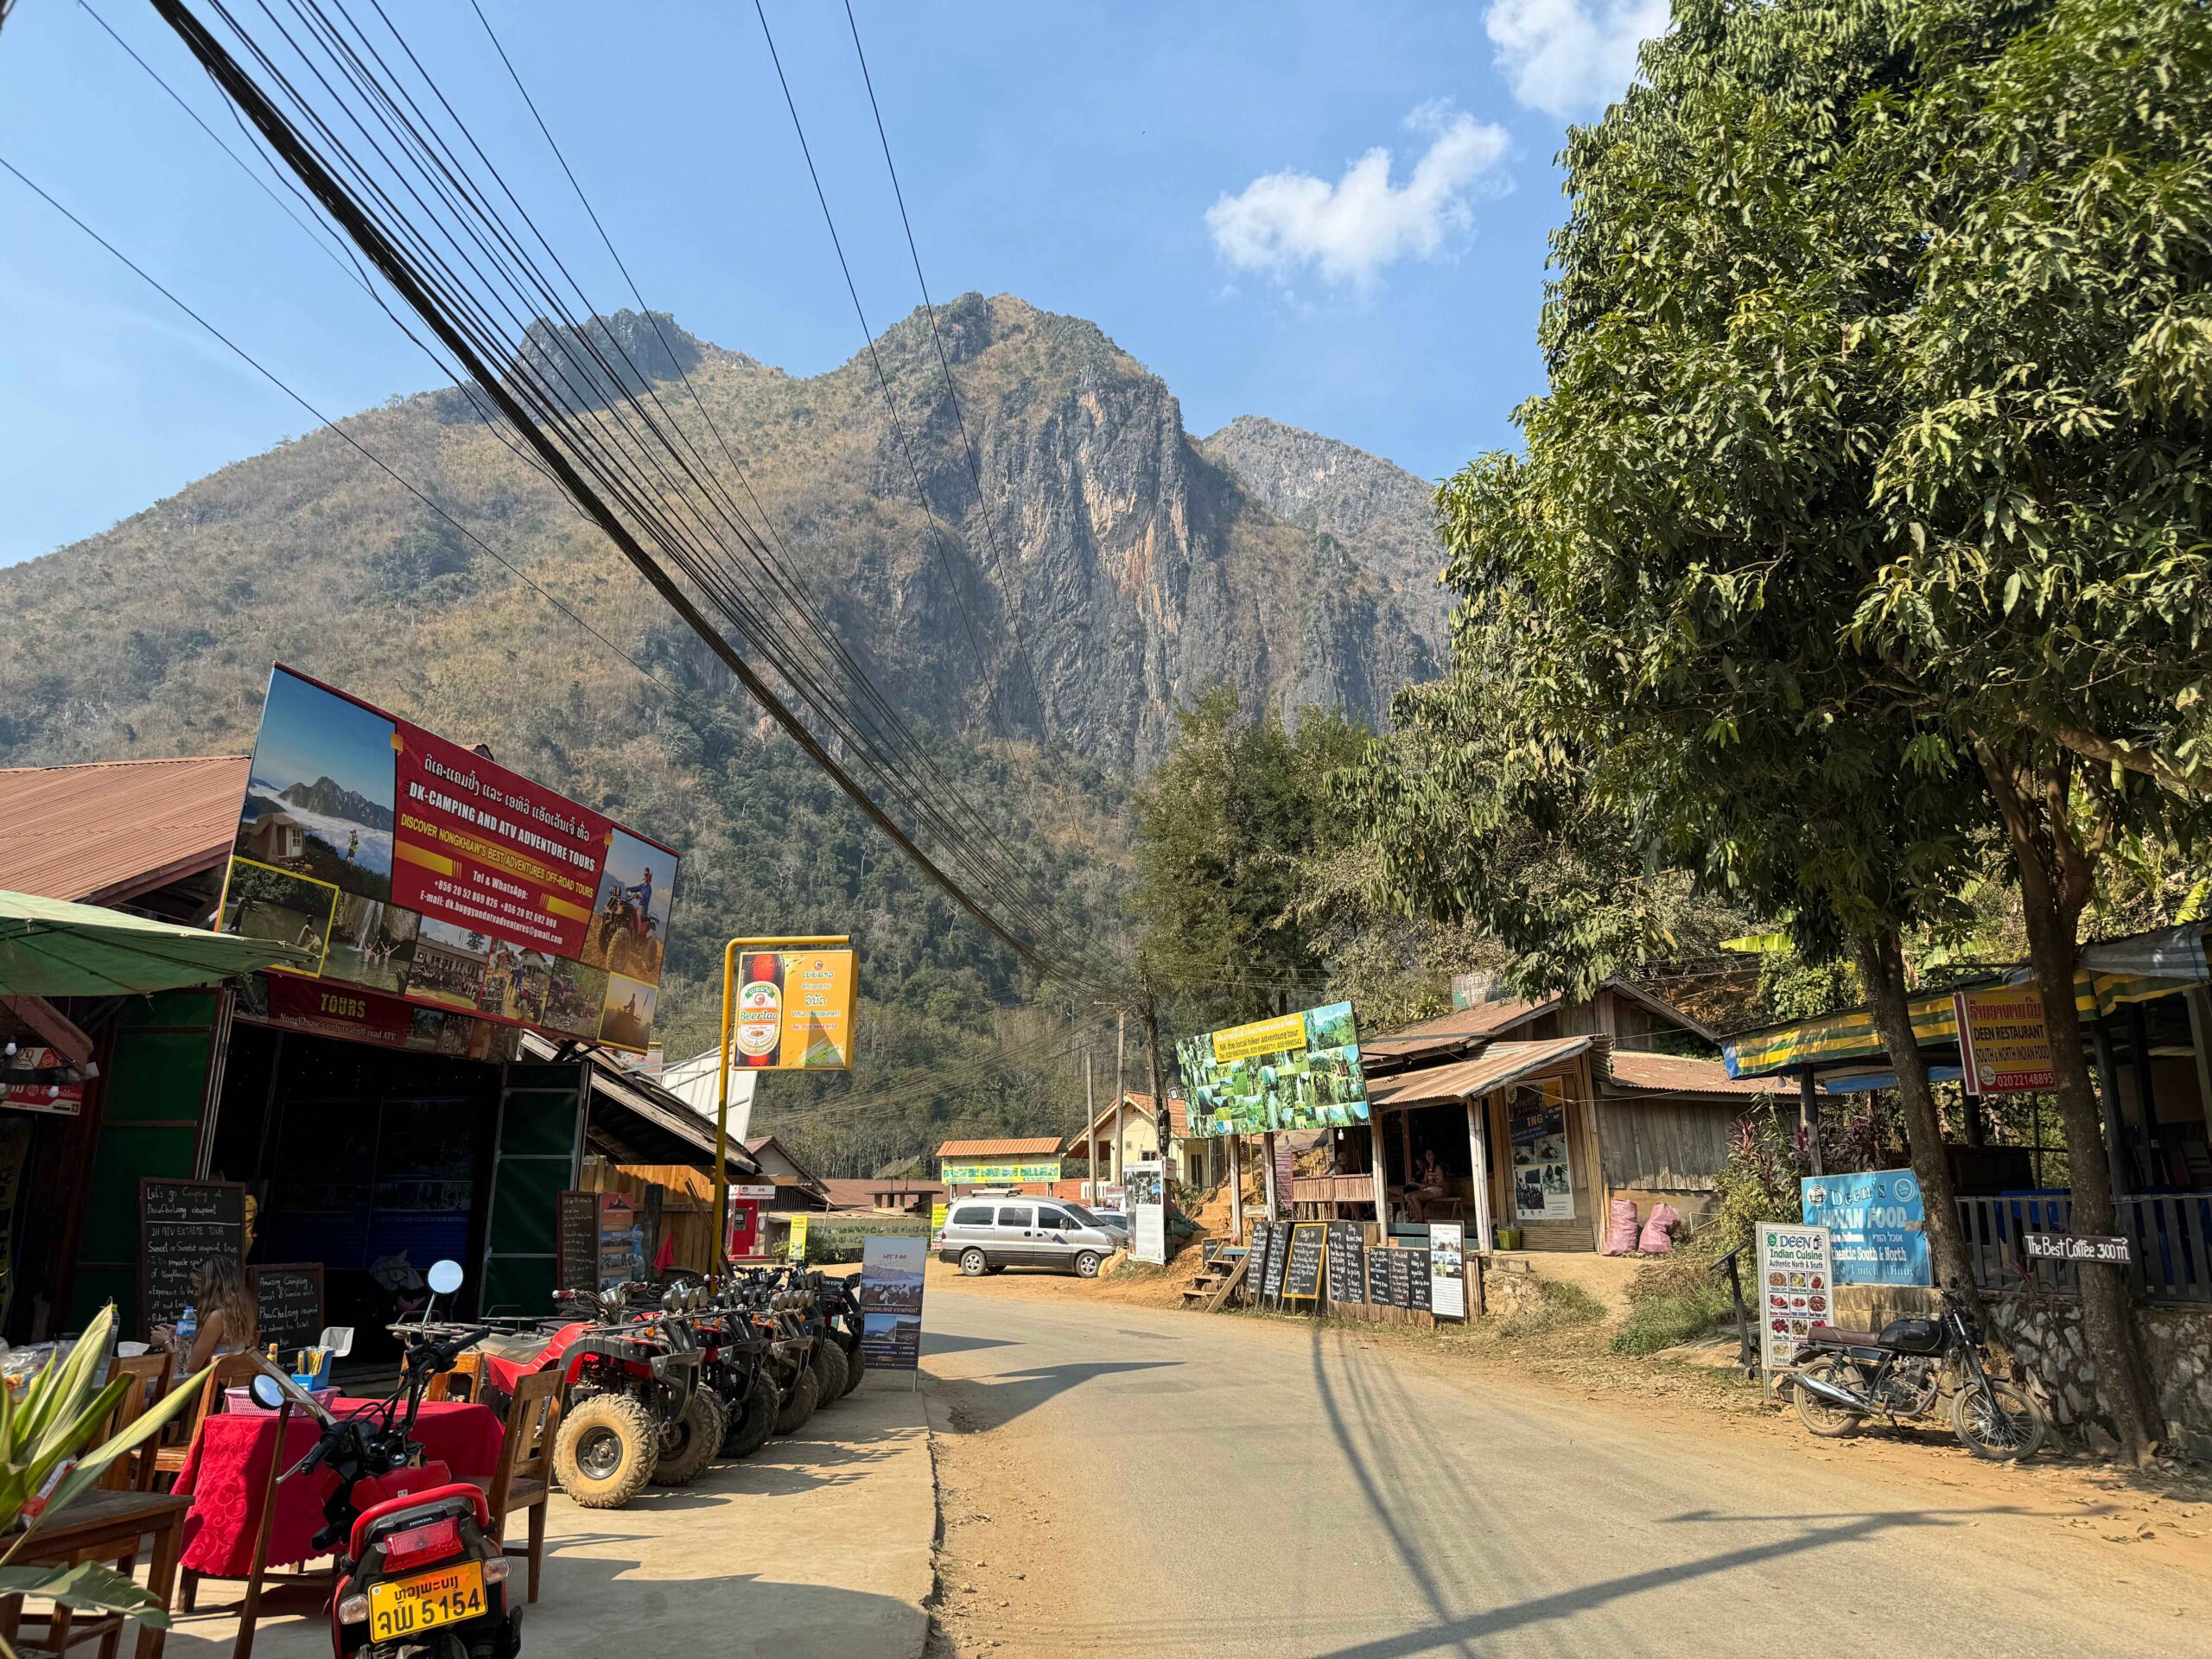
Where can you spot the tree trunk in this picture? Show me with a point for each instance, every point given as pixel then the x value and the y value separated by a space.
pixel 2055 883
pixel 1881 966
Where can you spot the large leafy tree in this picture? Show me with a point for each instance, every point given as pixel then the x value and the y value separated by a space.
pixel 1867 497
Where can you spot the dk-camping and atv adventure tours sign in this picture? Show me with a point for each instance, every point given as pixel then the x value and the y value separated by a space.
pixel 1299 1072
pixel 438 884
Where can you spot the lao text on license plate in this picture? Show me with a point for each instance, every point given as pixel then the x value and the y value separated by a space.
pixel 425 1600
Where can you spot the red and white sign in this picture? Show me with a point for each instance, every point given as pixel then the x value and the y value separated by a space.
pixel 52 1094
pixel 2004 1040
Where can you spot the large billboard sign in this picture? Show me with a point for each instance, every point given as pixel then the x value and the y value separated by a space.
pixel 413 867
pixel 1299 1071
pixel 794 1011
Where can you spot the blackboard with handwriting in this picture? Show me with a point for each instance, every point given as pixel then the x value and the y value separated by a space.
pixel 575 1241
pixel 290 1297
pixel 1417 1281
pixel 1347 1261
pixel 181 1225
pixel 1308 1243
pixel 1378 1275
pixel 1401 1289
pixel 1278 1248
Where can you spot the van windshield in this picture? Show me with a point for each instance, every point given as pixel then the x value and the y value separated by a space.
pixel 1078 1214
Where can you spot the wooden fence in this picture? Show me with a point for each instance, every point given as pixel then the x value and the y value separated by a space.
pixel 2171 1234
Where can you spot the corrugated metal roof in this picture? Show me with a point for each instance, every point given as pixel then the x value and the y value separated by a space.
pixel 1038 1146
pixel 1673 1074
pixel 1494 1067
pixel 115 829
pixel 1178 1118
pixel 1451 1030
pixel 669 1125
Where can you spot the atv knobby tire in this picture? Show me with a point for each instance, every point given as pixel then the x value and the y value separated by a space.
pixel 697 1437
pixel 828 1373
pixel 606 1450
pixel 801 1404
pixel 853 1365
pixel 749 1428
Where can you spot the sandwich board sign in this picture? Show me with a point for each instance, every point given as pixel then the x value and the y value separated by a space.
pixel 1796 1277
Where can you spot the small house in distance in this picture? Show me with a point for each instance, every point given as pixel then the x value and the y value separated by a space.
pixel 1028 1164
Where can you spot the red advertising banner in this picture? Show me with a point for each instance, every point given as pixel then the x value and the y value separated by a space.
pixel 432 878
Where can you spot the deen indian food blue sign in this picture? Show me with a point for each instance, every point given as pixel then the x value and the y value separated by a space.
pixel 1877 1224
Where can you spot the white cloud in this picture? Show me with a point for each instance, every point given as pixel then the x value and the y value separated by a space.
pixel 1571 58
pixel 1349 230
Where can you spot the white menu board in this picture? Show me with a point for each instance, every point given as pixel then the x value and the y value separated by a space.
pixel 1796 1286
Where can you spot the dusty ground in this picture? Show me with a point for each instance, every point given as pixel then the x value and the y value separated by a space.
pixel 1119 1479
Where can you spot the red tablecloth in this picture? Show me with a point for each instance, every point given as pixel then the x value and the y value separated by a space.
pixel 226 1469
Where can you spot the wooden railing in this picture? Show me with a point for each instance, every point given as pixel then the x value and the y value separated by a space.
pixel 2171 1234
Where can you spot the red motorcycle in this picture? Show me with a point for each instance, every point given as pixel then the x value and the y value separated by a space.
pixel 420 1575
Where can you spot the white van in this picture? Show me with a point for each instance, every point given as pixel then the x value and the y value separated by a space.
pixel 990 1234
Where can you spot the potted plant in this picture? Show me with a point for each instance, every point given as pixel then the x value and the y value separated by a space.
pixel 54 1418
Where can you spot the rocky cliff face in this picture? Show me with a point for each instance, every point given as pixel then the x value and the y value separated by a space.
pixel 1108 568
pixel 1381 515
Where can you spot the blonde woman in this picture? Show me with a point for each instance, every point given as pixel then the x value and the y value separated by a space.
pixel 229 1321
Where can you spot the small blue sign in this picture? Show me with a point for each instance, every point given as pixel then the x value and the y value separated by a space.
pixel 1877 1226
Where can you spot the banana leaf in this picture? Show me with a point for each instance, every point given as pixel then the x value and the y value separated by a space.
pixel 89 1587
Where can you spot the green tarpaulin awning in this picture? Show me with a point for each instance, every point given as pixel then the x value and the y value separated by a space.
pixel 49 947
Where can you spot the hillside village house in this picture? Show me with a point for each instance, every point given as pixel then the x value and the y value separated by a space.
pixel 1199 1163
pixel 1025 1164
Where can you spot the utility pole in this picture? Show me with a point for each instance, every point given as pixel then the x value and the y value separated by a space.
pixel 1163 1124
pixel 1090 1124
pixel 1120 1090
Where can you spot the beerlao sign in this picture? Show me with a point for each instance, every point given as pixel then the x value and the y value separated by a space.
pixel 2004 1040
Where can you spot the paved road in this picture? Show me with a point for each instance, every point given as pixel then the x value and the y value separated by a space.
pixel 1321 1497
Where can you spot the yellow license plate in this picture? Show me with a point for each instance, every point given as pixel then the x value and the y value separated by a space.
pixel 402 1606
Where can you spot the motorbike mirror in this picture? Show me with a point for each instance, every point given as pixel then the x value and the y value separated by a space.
pixel 444 1277
pixel 268 1393
pixel 338 1338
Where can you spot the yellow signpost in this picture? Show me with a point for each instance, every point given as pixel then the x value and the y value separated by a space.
pixel 797 1016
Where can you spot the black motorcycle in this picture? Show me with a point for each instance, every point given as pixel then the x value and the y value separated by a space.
pixel 1903 1372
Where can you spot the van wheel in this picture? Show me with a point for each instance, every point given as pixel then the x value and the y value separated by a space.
pixel 696 1438
pixel 606 1450
pixel 973 1264
pixel 1086 1265
pixel 800 1407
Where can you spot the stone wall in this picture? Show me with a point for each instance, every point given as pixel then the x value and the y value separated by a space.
pixel 2045 1333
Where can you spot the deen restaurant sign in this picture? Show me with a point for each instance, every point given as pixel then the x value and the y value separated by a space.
pixel 2004 1040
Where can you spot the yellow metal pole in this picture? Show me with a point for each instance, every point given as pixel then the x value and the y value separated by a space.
pixel 793 942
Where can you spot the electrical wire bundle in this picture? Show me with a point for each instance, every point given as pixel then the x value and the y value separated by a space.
pixel 352 113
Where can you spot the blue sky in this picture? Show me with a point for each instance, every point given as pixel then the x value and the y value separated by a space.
pixel 308 734
pixel 1201 180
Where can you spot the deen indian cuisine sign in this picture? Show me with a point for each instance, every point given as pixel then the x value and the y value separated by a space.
pixel 1297 1071
pixel 420 871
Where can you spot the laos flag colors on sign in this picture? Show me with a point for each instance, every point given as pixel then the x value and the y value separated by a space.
pixel 410 866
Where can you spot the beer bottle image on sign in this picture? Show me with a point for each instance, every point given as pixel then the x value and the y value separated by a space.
pixel 761 1010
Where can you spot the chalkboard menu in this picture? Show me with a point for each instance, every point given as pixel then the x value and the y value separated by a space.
pixel 180 1225
pixel 1278 1244
pixel 575 1241
pixel 1347 1262
pixel 1378 1276
pixel 1308 1243
pixel 1402 1279
pixel 290 1296
pixel 1416 1279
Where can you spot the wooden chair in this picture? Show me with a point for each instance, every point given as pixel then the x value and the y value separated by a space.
pixel 469 1367
pixel 522 1478
pixel 231 1372
pixel 151 1373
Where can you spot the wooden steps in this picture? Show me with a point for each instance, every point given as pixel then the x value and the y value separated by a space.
pixel 1217 1281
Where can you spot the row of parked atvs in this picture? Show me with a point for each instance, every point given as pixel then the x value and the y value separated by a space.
pixel 665 1378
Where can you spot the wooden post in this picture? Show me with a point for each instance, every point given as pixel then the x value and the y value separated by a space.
pixel 1478 1166
pixel 1090 1124
pixel 1808 1114
pixel 1236 1187
pixel 1120 1091
pixel 1381 1176
pixel 1267 1152
pixel 2123 1167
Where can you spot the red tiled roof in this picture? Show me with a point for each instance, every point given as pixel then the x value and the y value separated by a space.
pixel 1034 1146
pixel 1672 1074
pixel 113 830
pixel 855 1192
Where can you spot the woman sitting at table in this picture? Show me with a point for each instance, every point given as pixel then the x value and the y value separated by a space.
pixel 1427 1188
pixel 229 1321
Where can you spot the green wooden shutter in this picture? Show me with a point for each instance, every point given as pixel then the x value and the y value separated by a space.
pixel 536 1152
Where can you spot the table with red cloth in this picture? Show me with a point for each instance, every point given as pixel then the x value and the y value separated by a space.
pixel 229 1463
